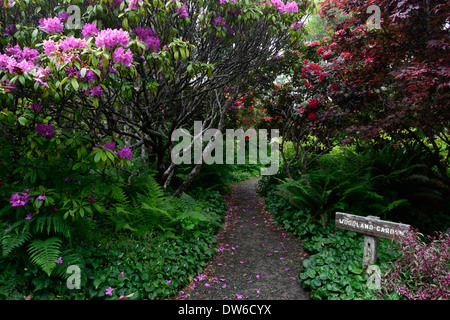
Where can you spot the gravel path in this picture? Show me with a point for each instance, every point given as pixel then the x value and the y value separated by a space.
pixel 256 260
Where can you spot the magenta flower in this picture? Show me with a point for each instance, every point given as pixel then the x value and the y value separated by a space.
pixel 50 47
pixel 125 153
pixel 28 217
pixel 122 56
pixel 89 30
pixel 19 200
pixel 96 91
pixel 168 281
pixel 109 145
pixel 46 130
pixel 59 260
pixel 41 198
pixel 109 291
pixel 111 37
pixel 73 43
pixel 134 4
pixel 149 37
pixel 64 16
pixel 238 296
pixel 291 7
pixel 182 12
pixel 51 25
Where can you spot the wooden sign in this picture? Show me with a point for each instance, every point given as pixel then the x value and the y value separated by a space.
pixel 370 225
pixel 373 228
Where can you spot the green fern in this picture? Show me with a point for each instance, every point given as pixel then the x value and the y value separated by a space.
pixel 55 224
pixel 11 241
pixel 45 253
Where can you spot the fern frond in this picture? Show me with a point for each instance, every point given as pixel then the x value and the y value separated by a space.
pixel 394 204
pixel 55 224
pixel 119 195
pixel 45 253
pixel 11 241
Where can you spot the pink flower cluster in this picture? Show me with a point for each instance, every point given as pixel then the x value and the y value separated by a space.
pixel 122 56
pixel 19 200
pixel 149 37
pixel 51 25
pixel 46 130
pixel 72 43
pixel 20 55
pixel 297 25
pixel 182 12
pixel 125 153
pixel 89 30
pixel 112 37
pixel 282 8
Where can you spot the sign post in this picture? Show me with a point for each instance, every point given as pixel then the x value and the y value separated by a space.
pixel 373 228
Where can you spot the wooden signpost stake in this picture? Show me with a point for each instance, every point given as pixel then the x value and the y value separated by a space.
pixel 373 228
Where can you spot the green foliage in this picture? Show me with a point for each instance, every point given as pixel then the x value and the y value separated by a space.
pixel 135 265
pixel 144 207
pixel 333 269
pixel 45 253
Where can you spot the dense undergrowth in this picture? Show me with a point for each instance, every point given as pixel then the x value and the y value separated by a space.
pixel 386 182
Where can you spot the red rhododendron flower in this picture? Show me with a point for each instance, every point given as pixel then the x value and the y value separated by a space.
pixel 312 116
pixel 327 55
pixel 313 104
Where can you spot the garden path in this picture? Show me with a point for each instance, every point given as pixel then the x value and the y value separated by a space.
pixel 256 260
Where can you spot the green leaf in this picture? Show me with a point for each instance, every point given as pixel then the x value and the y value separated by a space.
pixel 23 121
pixel 74 84
pixel 98 156
pixel 125 24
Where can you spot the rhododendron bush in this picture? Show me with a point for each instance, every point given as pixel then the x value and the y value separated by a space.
pixel 83 97
pixel 140 69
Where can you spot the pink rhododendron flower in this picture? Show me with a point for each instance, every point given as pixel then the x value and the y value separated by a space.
pixel 149 37
pixel 182 12
pixel 320 50
pixel 72 43
pixel 291 7
pixel 89 30
pixel 19 200
pixel 41 74
pixel 134 4
pixel 20 55
pixel 50 47
pixel 125 153
pixel 51 25
pixel 46 130
pixel 111 37
pixel 297 25
pixel 122 56
pixel 95 91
